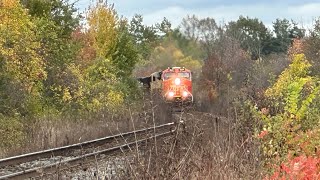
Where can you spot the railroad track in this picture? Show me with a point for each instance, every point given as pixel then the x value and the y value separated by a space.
pixel 29 165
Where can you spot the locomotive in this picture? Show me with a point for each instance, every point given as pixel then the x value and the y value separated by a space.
pixel 174 84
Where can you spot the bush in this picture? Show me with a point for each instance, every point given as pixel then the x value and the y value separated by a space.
pixel 11 132
pixel 301 167
pixel 291 132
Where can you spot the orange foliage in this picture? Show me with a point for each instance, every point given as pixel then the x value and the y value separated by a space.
pixel 9 3
pixel 87 51
pixel 262 134
pixel 300 168
pixel 296 48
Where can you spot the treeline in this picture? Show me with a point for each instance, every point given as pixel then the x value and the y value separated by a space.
pixel 49 60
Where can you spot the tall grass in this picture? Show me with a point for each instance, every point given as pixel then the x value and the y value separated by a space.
pixel 204 147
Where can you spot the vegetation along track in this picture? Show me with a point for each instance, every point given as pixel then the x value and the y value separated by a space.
pixel 49 161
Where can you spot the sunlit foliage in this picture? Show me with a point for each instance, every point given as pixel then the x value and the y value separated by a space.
pixel 22 67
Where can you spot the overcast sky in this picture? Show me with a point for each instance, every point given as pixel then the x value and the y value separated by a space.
pixel 153 11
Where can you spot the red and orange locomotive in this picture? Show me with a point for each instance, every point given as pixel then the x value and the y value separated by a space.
pixel 177 85
pixel 174 83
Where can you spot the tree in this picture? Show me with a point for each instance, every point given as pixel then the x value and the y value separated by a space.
pixel 205 31
pixel 109 81
pixel 312 46
pixel 145 37
pixel 252 34
pixel 124 59
pixel 209 33
pixel 190 27
pixel 294 113
pixel 87 53
pixel 22 67
pixel 102 21
pixel 56 20
pixel 285 31
pixel 125 54
pixel 188 46
pixel 61 12
pixel 164 26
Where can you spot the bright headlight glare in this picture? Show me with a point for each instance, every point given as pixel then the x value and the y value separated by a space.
pixel 185 93
pixel 177 81
pixel 171 94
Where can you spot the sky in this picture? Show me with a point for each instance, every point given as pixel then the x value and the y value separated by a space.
pixel 302 11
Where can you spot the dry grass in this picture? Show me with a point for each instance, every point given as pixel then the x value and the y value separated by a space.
pixel 51 130
pixel 54 131
pixel 204 147
pixel 207 147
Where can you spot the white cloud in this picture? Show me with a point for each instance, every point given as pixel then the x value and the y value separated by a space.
pixel 310 9
pixel 175 10
pixel 265 12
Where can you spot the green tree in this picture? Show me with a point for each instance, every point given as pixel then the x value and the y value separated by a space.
pixel 190 26
pixel 285 31
pixel 188 46
pixel 61 12
pixel 101 78
pixel 55 21
pixel 124 58
pixel 204 31
pixel 252 34
pixel 22 67
pixel 168 55
pixel 164 26
pixel 312 46
pixel 145 37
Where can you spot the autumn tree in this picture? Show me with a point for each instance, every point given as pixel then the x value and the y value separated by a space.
pixel 22 67
pixel 86 53
pixel 292 124
pixel 56 20
pixel 62 12
pixel 108 78
pixel 204 31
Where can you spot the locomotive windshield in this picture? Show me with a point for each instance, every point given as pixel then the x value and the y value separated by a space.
pixel 169 75
pixel 184 75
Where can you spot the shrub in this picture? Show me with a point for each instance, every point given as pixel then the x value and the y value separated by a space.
pixel 11 133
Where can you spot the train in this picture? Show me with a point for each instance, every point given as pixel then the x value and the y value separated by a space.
pixel 173 84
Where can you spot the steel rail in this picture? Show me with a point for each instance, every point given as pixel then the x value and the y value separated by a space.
pixel 61 150
pixel 35 172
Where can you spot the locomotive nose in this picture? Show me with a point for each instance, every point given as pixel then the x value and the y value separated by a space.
pixel 177 81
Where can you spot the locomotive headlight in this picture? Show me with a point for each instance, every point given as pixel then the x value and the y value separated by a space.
pixel 184 93
pixel 171 94
pixel 177 81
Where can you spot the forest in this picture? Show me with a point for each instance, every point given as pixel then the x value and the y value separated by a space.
pixel 61 69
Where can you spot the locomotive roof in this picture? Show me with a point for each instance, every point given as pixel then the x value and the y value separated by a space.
pixel 174 69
